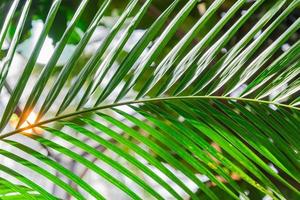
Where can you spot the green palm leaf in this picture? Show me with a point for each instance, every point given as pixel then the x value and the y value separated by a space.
pixel 220 114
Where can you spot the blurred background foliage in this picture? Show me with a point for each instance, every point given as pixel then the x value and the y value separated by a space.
pixel 40 9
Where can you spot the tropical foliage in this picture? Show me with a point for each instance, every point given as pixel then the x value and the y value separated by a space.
pixel 208 106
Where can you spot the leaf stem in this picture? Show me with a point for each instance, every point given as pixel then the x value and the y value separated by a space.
pixel 19 130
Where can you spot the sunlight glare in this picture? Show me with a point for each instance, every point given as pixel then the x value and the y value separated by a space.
pixel 30 120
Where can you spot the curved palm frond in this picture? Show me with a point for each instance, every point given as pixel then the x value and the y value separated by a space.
pixel 227 112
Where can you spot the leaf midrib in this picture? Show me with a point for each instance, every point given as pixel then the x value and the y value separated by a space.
pixel 65 116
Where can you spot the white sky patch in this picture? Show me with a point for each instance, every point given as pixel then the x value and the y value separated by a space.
pixel 47 50
pixel 243 12
pixel 224 50
pixel 181 119
pixel 27 46
pixel 238 91
pixel 276 92
pixel 285 47
pixel 273 168
pixel 273 107
pixel 267 198
pixel 101 33
pixel 134 38
pixel 257 34
pixel 5 44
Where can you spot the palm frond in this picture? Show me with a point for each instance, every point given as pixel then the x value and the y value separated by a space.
pixel 226 111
